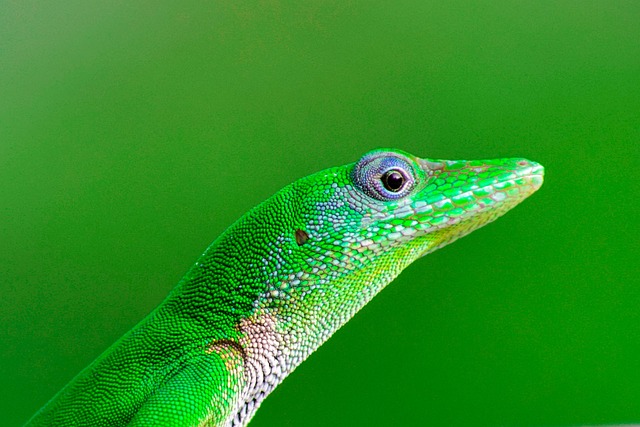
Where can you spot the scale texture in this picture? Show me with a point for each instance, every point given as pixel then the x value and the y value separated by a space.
pixel 279 282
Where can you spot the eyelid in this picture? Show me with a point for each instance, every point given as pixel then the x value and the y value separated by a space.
pixel 395 168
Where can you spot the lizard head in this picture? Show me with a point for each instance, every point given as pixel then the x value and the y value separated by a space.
pixel 348 231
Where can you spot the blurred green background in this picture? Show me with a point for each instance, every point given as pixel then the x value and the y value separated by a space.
pixel 133 133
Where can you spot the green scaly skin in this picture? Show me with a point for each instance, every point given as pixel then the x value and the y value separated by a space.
pixel 279 282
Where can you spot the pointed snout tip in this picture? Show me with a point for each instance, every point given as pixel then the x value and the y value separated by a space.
pixel 531 170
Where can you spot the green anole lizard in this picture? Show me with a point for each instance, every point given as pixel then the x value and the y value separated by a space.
pixel 279 282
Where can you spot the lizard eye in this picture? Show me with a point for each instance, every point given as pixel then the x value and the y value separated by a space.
pixel 393 181
pixel 384 176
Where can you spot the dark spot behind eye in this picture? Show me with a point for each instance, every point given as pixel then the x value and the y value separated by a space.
pixel 301 237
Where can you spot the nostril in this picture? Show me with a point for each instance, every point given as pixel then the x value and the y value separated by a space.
pixel 523 163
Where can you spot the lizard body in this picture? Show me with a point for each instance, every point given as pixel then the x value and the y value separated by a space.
pixel 279 282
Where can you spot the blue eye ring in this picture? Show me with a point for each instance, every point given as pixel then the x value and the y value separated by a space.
pixel 384 176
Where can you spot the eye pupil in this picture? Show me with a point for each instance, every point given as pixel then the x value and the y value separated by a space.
pixel 393 181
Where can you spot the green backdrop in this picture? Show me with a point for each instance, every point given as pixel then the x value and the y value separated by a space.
pixel 133 133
